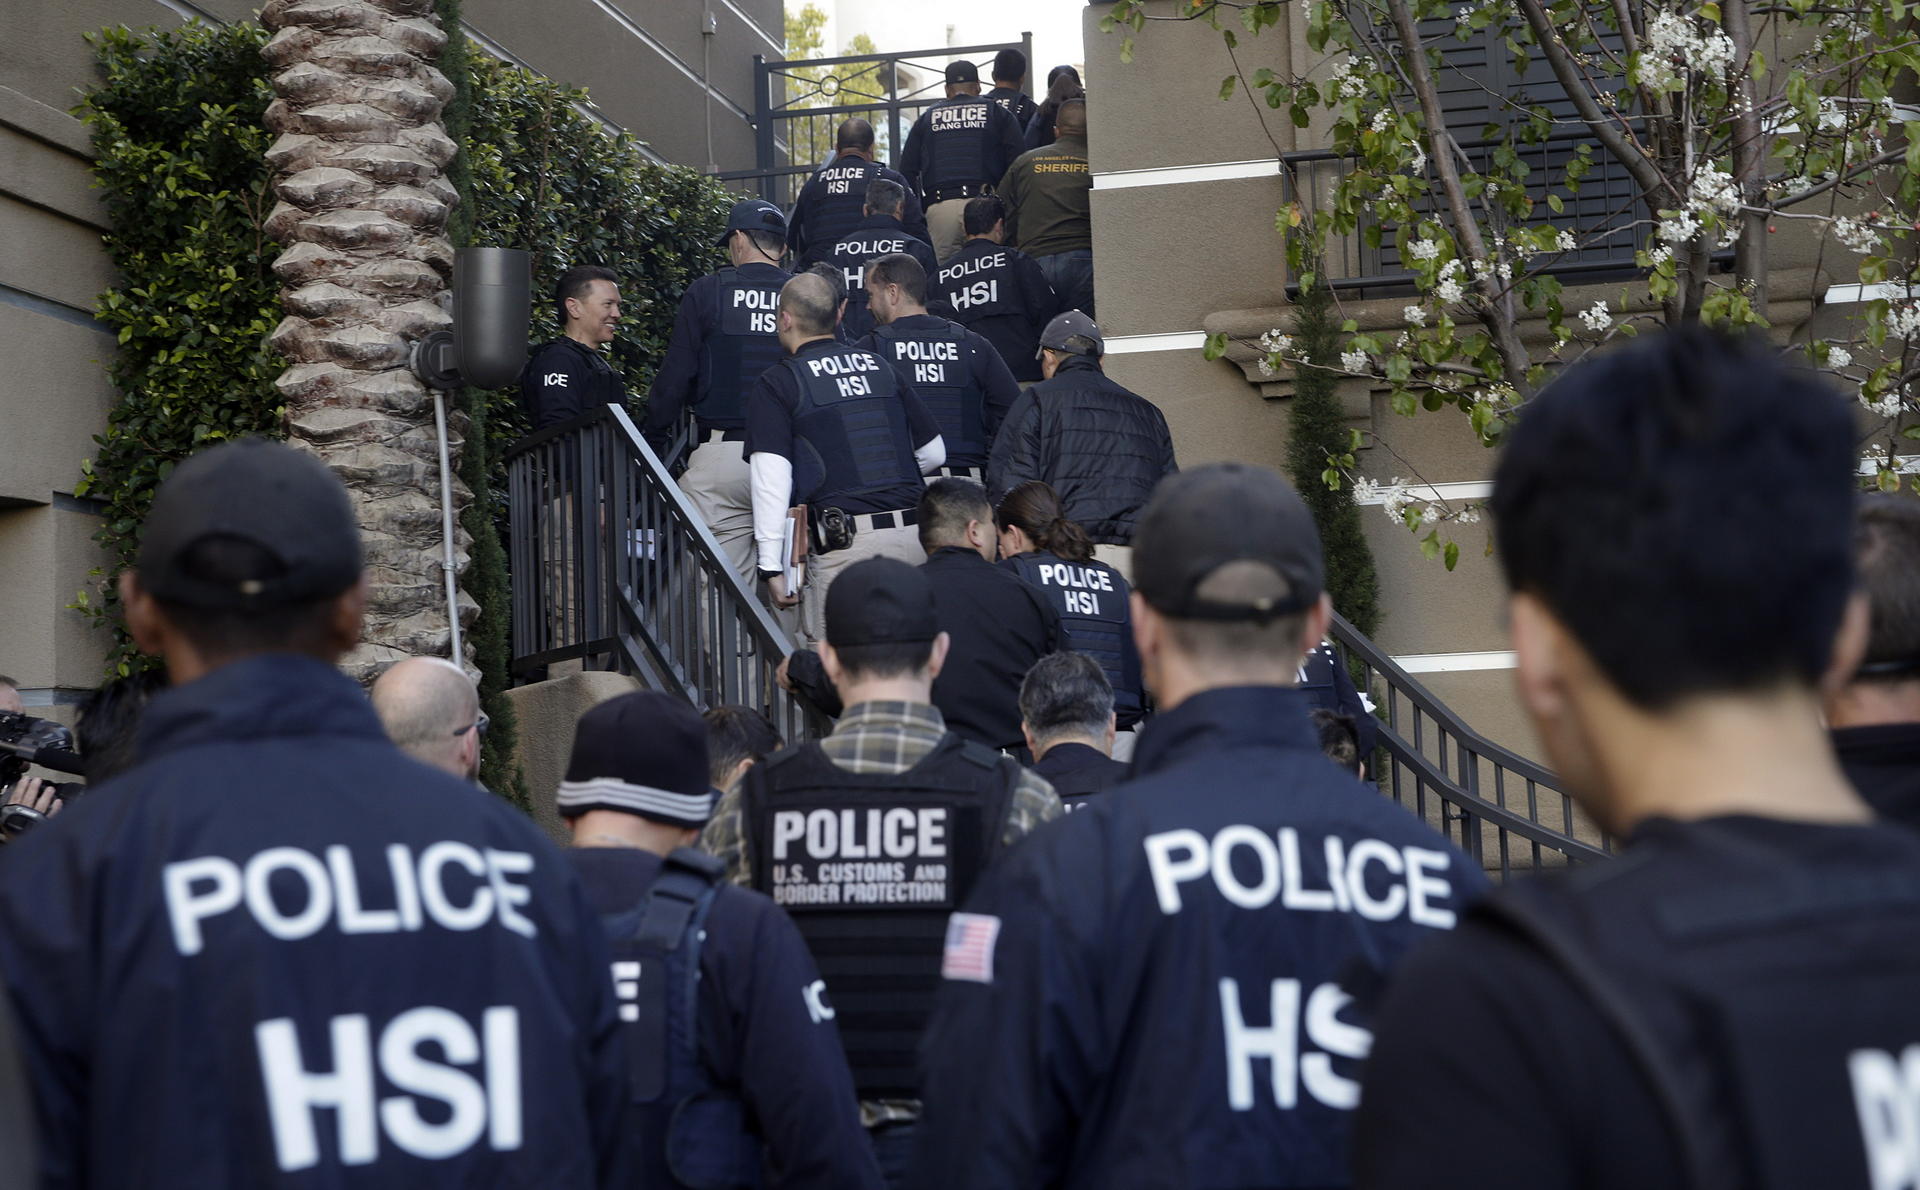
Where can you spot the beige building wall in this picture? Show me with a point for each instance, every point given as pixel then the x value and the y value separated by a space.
pixel 650 67
pixel 1186 188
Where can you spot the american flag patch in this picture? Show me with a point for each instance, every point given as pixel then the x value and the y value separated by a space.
pixel 970 939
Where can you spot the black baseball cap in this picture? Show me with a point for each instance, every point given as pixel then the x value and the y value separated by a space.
pixel 1202 520
pixel 880 601
pixel 1074 333
pixel 642 753
pixel 283 502
pixel 962 72
pixel 755 214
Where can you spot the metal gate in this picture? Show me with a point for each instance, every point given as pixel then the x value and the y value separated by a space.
pixel 800 102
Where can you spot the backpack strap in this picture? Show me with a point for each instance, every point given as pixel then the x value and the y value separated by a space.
pixel 1552 939
pixel 684 890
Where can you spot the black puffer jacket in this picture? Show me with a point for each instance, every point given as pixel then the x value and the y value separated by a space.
pixel 1101 448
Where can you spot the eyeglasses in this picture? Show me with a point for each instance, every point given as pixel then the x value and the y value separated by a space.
pixel 479 725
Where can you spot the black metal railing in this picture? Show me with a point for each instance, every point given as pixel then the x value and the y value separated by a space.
pixel 1504 810
pixel 613 569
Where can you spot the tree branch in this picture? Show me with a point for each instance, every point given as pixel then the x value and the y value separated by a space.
pixel 1607 132
pixel 1749 154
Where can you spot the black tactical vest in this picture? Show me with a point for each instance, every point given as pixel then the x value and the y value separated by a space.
pixel 686 1131
pixel 982 287
pixel 941 370
pixel 1768 1017
pixel 839 202
pixel 744 344
pixel 962 136
pixel 851 425
pixel 851 254
pixel 1091 598
pixel 870 866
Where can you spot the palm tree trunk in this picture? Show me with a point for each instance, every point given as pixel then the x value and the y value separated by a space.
pixel 362 205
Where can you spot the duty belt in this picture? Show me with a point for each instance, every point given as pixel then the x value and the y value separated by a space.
pixel 946 193
pixel 885 520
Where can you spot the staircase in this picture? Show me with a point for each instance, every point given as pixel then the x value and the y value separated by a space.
pixel 613 570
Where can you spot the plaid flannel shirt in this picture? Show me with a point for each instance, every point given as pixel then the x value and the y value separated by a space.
pixel 879 737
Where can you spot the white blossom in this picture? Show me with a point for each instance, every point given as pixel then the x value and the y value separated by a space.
pixel 1838 357
pixel 1678 227
pixel 1887 406
pixel 1676 44
pixel 1430 514
pixel 1265 365
pixel 1276 343
pixel 1597 317
pixel 1395 499
pixel 1382 120
pixel 1564 241
pixel 1354 361
pixel 1449 291
pixel 1423 250
pixel 1903 321
pixel 1660 256
pixel 1858 236
pixel 1713 189
pixel 1365 490
pixel 1467 516
pixel 1415 315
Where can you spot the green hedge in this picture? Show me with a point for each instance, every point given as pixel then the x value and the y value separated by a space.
pixel 180 142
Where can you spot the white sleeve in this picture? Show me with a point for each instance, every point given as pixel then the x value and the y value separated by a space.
pixel 772 493
pixel 931 454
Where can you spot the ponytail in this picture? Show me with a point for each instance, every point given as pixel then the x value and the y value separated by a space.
pixel 1034 509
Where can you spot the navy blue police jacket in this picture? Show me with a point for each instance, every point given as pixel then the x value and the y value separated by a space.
pixel 997 291
pixel 1158 990
pixel 834 200
pixel 969 414
pixel 281 953
pixel 564 379
pixel 677 385
pixel 766 1026
pixel 874 236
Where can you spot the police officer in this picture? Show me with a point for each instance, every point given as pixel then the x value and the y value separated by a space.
pixel 997 290
pixel 735 1063
pixel 1063 83
pixel 1038 543
pixel 1329 687
pixel 1100 447
pixel 1049 195
pixel 1176 960
pixel 879 234
pixel 1874 717
pixel 723 339
pixel 957 373
pixel 1735 1000
pixel 957 149
pixel 1009 71
pixel 832 427
pixel 873 835
pixel 278 952
pixel 1066 713
pixel 570 376
pixel 832 203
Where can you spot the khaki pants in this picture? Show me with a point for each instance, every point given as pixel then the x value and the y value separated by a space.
pixel 1120 557
pixel 720 487
pixel 902 542
pixel 946 225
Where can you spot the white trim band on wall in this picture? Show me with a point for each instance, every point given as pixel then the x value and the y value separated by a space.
pixel 1172 341
pixel 1846 295
pixel 1449 663
pixel 1174 175
pixel 1478 489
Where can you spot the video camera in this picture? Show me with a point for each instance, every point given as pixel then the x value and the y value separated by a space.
pixel 24 742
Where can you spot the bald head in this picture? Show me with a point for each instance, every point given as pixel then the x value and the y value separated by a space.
pixel 429 707
pixel 854 136
pixel 808 307
pixel 1072 119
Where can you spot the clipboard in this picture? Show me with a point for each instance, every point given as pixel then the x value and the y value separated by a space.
pixel 794 545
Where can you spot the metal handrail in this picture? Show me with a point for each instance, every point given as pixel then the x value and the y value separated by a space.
pixel 614 568
pixel 1441 769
